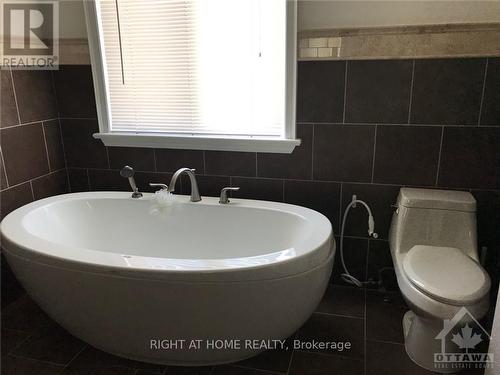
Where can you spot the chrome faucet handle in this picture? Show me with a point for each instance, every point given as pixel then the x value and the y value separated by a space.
pixel 161 186
pixel 223 194
pixel 128 172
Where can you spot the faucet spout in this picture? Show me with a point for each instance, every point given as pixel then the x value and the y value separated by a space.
pixel 195 193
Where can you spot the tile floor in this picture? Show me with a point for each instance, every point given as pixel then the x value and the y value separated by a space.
pixel 32 344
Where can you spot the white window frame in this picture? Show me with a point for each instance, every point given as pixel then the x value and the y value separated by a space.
pixel 284 144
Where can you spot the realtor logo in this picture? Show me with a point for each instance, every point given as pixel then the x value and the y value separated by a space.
pixel 460 338
pixel 30 34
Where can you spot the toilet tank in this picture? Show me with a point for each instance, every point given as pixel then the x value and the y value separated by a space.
pixel 434 218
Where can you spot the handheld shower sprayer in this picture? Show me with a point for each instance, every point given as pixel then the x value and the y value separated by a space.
pixel 128 173
pixel 346 276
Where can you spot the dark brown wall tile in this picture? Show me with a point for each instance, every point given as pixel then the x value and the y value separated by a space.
pixel 488 217
pixel 320 196
pixel 24 152
pixel 470 158
pixel 169 160
pixel 380 266
pixel 488 222
pixel 407 155
pixel 447 91
pixel 35 95
pixel 490 114
pixel 54 144
pixel 52 184
pixel 378 91
pixel 15 197
pixel 258 188
pixel 75 91
pixel 230 163
pixel 8 114
pixel 82 149
pixel 296 165
pixel 78 180
pixel 107 180
pixel 379 198
pixel 141 159
pixel 343 152
pixel 320 91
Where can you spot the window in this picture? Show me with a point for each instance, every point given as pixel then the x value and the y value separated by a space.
pixel 216 74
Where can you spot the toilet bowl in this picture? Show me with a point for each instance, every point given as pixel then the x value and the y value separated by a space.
pixel 434 251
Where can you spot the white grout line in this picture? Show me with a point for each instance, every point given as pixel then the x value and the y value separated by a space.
pixel 37 360
pixel 46 147
pixel 439 156
pixel 483 91
pixel 30 123
pixel 312 153
pixel 204 166
pixel 78 118
pixel 411 91
pixel 32 192
pixel 338 315
pixel 290 363
pixel 88 180
pixel 4 169
pixel 15 96
pixel 367 259
pixel 400 124
pixel 374 151
pixel 107 156
pixel 386 342
pixel 154 159
pixel 364 341
pixel 76 356
pixel 345 91
pixel 64 154
pixel 28 336
pixel 16 185
pixel 54 90
pixel 256 166
pixel 340 207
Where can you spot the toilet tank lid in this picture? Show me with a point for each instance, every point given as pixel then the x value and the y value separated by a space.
pixel 437 199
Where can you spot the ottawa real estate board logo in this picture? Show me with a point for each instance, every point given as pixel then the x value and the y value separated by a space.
pixel 30 34
pixel 464 344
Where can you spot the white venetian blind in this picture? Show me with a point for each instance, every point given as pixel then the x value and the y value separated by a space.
pixel 214 67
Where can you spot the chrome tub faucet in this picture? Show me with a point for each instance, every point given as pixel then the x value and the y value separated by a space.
pixel 195 193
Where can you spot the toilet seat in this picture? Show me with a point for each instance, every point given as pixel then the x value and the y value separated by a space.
pixel 446 274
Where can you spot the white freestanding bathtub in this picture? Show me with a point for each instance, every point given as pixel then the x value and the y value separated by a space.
pixel 143 281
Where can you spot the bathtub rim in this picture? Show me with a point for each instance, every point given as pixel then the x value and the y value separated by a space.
pixel 277 269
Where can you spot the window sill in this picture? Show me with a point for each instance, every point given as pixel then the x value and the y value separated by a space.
pixel 217 143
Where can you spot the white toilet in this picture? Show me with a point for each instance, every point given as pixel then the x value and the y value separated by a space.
pixel 434 250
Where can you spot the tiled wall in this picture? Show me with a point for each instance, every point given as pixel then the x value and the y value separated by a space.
pixel 367 128
pixel 32 162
